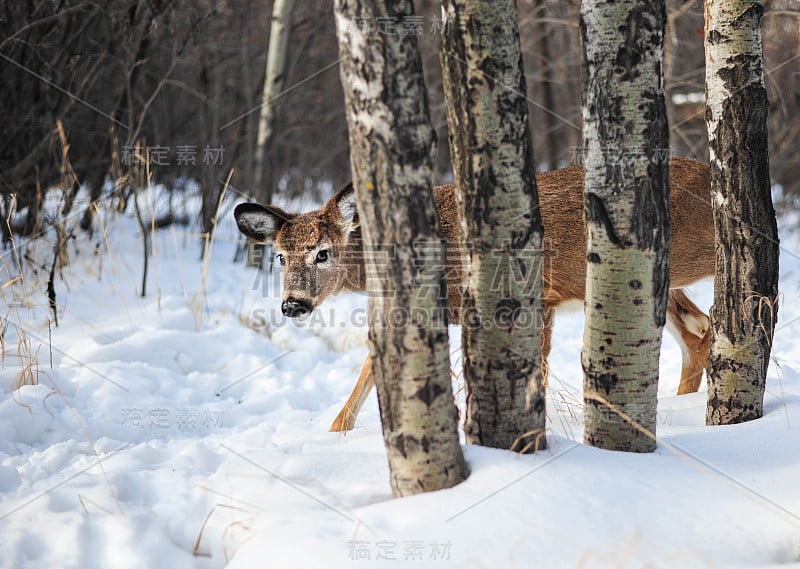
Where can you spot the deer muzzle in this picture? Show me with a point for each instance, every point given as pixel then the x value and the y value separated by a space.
pixel 294 307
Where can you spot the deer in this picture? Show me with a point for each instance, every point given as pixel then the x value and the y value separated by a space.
pixel 320 254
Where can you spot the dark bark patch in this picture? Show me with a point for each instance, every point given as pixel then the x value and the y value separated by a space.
pixel 597 213
pixel 636 31
pixel 428 392
pixel 489 68
pixel 606 381
pixel 754 12
pixel 400 444
pixel 506 312
pixel 482 206
pixel 715 37
pixel 739 72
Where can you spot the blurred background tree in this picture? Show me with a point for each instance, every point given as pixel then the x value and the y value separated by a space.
pixel 186 78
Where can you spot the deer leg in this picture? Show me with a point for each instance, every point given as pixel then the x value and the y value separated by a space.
pixel 691 328
pixel 346 419
pixel 547 335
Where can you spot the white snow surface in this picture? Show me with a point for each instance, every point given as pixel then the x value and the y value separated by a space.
pixel 153 438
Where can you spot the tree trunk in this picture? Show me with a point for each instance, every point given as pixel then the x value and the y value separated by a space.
pixel 490 143
pixel 273 84
pixel 391 142
pixel 212 189
pixel 746 285
pixel 627 209
pixel 546 60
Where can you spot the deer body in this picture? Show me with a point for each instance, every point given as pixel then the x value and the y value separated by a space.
pixel 321 254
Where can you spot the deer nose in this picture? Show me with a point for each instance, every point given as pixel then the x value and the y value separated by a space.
pixel 294 307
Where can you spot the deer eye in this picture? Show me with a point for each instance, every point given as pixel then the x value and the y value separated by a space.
pixel 280 258
pixel 322 256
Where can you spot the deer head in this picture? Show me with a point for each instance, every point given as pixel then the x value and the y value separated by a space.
pixel 319 252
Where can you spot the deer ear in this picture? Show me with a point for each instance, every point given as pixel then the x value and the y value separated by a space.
pixel 345 202
pixel 259 223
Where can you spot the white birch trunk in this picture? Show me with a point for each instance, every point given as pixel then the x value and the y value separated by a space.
pixel 746 286
pixel 490 143
pixel 273 84
pixel 391 145
pixel 627 209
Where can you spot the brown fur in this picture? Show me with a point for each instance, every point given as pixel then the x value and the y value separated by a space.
pixel 335 228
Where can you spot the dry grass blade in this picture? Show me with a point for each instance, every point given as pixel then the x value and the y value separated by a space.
pixel 196 550
pixel 28 360
pixel 771 307
pixel 199 299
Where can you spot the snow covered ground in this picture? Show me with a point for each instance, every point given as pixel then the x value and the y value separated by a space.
pixel 190 430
